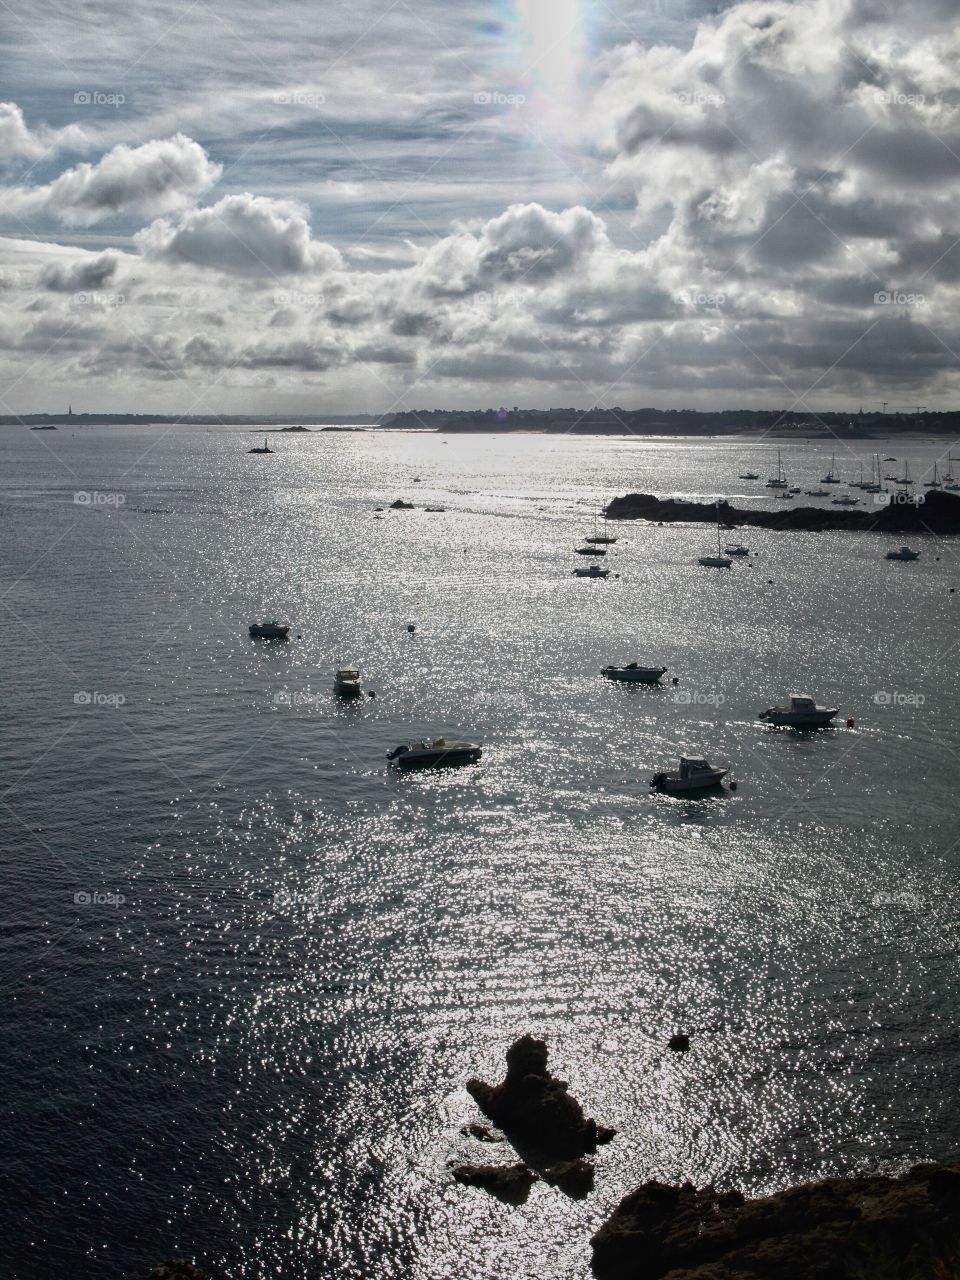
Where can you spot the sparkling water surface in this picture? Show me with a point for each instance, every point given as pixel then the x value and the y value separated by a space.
pixel 247 967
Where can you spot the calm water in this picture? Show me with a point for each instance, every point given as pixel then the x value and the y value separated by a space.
pixel 257 1057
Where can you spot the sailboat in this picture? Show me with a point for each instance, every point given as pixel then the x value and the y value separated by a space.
pixel 719 561
pixel 905 478
pixel 599 539
pixel 831 477
pixel 935 482
pixel 781 480
pixel 256 448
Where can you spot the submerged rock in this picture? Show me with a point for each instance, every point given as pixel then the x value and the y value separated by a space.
pixel 482 1132
pixel 679 1043
pixel 510 1182
pixel 176 1269
pixel 905 1228
pixel 534 1109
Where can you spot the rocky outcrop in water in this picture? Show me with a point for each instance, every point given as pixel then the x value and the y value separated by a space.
pixel 870 1228
pixel 938 513
pixel 509 1182
pixel 534 1109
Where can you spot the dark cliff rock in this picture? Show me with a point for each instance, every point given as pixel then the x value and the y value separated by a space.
pixel 938 513
pixel 176 1269
pixel 534 1109
pixel 869 1228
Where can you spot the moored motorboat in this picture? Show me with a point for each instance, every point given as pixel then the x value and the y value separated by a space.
pixel 592 571
pixel 346 682
pixel 903 553
pixel 802 712
pixel 633 673
pixel 431 755
pixel 736 549
pixel 845 500
pixel 749 475
pixel 270 630
pixel 818 493
pixel 591 551
pixel 693 775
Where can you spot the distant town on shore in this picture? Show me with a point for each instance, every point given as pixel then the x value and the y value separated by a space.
pixel 569 421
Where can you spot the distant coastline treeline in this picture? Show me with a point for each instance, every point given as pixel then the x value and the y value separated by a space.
pixel 616 421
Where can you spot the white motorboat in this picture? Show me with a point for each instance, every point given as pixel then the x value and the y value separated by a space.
pixel 633 673
pixel 693 775
pixel 431 755
pixel 736 549
pixel 781 480
pixel 592 571
pixel 346 682
pixel 272 630
pixel 904 553
pixel 801 713
pixel 785 497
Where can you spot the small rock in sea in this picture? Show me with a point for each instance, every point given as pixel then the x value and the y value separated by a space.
pixel 176 1269
pixel 534 1109
pixel 573 1177
pixel 679 1043
pixel 509 1182
pixel 482 1132
pixel 400 505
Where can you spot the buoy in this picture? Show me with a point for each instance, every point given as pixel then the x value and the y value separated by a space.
pixel 733 786
pixel 850 722
pixel 411 627
pixel 676 679
pixel 371 693
pixel 952 590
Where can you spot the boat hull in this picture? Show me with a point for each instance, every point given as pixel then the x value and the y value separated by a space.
pixel 798 719
pixel 673 785
pixel 258 632
pixel 442 758
pixel 635 675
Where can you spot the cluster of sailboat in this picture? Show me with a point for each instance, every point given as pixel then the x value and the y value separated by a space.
pixel 595 547
pixel 875 483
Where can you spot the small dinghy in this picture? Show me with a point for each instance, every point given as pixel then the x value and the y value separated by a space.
pixel 593 571
pixel 633 673
pixel 272 630
pixel 801 713
pixel 693 775
pixel 436 754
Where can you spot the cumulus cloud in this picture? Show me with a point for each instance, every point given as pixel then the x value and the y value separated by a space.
pixel 92 271
pixel 243 235
pixel 17 139
pixel 157 177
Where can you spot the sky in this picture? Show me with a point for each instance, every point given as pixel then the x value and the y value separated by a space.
pixel 317 208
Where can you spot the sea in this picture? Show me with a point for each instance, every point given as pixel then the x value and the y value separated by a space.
pixel 248 966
